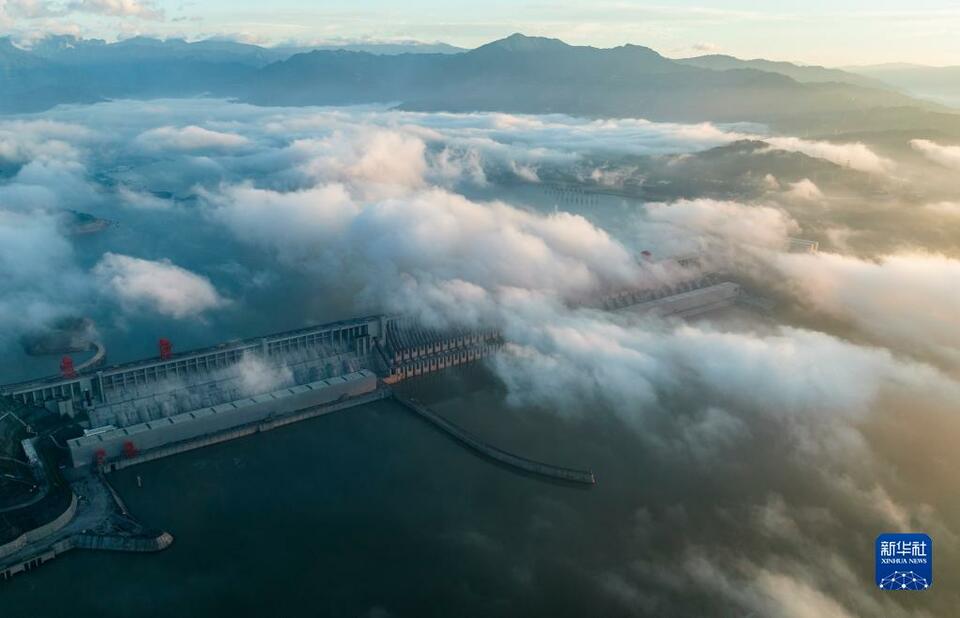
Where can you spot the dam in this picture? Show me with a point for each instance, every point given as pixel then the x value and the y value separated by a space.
pixel 121 415
pixel 128 410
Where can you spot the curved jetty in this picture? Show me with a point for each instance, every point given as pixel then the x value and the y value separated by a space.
pixel 514 461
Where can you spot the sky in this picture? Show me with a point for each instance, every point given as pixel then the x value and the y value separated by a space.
pixel 834 33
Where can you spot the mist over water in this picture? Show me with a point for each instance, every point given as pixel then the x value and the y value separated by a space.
pixel 746 461
pixel 372 512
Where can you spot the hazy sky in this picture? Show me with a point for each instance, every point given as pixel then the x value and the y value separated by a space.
pixel 833 32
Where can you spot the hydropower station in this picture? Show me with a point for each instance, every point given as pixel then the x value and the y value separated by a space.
pixel 139 411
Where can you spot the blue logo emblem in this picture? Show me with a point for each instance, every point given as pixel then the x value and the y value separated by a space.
pixel 904 561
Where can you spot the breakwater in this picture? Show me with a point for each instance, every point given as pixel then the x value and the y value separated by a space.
pixel 96 519
pixel 517 462
pixel 90 542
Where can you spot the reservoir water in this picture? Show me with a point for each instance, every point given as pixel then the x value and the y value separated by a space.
pixel 370 511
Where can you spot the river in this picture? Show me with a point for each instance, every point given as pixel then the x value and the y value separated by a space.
pixel 367 512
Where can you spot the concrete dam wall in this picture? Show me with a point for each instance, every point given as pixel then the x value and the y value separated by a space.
pixel 128 442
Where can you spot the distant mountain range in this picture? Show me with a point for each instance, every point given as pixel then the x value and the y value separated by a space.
pixel 391 49
pixel 539 75
pixel 29 82
pixel 798 72
pixel 73 51
pixel 515 74
pixel 936 83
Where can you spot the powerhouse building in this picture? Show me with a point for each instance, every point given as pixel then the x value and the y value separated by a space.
pixel 119 442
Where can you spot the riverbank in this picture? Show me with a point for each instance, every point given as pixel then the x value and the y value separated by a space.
pixel 95 519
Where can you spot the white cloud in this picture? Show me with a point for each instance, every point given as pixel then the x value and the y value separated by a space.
pixel 789 597
pixel 804 190
pixel 28 9
pixel 47 13
pixel 948 209
pixel 118 8
pixel 372 162
pixel 36 263
pixel 434 240
pixel 48 184
pixel 296 223
pixel 365 204
pixel 718 227
pixel 190 139
pixel 707 48
pixel 160 286
pixel 526 172
pixel 947 156
pixel 907 300
pixel 569 359
pixel 854 155
pixel 523 138
pixel 22 141
pixel 138 199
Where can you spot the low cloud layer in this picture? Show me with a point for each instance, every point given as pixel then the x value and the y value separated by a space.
pixel 947 209
pixel 631 361
pixel 37 266
pixel 804 190
pixel 161 286
pixel 719 228
pixel 431 240
pixel 909 301
pixel 947 156
pixel 856 156
pixel 189 139
pixel 782 431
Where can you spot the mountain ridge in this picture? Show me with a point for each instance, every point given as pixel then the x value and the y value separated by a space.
pixel 518 74
pixel 799 72
pixel 540 75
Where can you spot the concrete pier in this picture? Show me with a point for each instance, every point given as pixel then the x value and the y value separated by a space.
pixel 96 518
pixel 523 464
